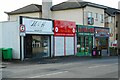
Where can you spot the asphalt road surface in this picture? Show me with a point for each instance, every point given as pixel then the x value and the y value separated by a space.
pixel 75 67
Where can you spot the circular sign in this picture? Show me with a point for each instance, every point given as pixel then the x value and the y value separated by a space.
pixel 73 30
pixel 56 29
pixel 22 28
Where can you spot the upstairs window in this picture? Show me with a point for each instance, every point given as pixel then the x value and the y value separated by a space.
pixel 110 19
pixel 116 36
pixel 101 18
pixel 96 15
pixel 89 14
pixel 116 23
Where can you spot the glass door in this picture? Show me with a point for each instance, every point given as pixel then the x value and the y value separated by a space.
pixel 86 45
pixel 40 46
pixel 90 44
pixel 82 47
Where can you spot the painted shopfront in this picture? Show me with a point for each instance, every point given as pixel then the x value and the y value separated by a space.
pixel 64 38
pixel 38 37
pixel 102 38
pixel 85 36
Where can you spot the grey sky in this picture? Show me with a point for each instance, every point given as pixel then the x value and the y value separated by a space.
pixel 10 5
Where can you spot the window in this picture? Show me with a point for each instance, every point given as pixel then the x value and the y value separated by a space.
pixel 110 19
pixel 101 18
pixel 116 36
pixel 96 15
pixel 116 23
pixel 89 14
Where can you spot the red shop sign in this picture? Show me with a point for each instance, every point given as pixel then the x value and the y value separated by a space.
pixel 85 29
pixel 64 28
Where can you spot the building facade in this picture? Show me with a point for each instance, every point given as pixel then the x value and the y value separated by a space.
pixel 111 21
pixel 82 13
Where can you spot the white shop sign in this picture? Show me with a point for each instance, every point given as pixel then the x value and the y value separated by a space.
pixel 37 26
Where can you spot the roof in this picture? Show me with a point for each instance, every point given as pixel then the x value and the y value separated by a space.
pixel 63 6
pixel 112 11
pixel 73 5
pixel 27 9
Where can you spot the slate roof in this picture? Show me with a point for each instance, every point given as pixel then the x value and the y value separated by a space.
pixel 73 5
pixel 112 11
pixel 63 6
pixel 27 9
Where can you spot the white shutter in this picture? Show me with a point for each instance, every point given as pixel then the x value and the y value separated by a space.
pixel 59 46
pixel 69 45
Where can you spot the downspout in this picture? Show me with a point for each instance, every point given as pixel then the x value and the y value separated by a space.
pixel 83 15
pixel 114 28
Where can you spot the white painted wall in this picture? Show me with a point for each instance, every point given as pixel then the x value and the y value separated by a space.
pixel 69 15
pixel 34 15
pixel 0 35
pixel 94 10
pixel 11 38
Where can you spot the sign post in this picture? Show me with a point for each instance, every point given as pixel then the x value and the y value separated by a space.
pixel 22 34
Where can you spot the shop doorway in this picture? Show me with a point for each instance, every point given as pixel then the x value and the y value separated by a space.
pixel 102 44
pixel 28 46
pixel 37 46
pixel 85 45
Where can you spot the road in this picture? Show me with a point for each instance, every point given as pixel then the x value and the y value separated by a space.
pixel 70 68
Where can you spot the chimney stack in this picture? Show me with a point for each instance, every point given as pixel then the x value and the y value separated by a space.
pixel 46 9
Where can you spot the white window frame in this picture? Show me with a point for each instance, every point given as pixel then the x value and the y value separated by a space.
pixel 96 15
pixel 110 19
pixel 89 14
pixel 101 18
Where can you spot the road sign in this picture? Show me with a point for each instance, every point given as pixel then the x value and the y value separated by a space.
pixel 22 30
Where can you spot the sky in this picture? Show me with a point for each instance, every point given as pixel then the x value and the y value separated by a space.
pixel 11 5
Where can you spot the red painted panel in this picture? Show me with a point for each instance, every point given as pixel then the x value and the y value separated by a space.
pixel 64 28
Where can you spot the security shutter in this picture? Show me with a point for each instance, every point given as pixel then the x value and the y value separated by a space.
pixel 69 45
pixel 59 46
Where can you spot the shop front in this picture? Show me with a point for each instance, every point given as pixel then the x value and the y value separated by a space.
pixel 37 41
pixel 64 38
pixel 85 38
pixel 102 39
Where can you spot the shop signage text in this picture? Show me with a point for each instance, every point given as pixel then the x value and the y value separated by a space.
pixel 64 28
pixel 37 26
pixel 101 32
pixel 85 29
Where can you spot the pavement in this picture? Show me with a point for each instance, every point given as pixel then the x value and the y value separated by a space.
pixel 63 67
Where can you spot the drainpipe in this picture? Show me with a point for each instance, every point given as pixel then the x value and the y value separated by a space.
pixel 114 28
pixel 83 15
